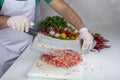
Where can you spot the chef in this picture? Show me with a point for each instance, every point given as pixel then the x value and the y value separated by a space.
pixel 15 19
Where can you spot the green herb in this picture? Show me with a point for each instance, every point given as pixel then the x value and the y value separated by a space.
pixel 56 22
pixel 105 40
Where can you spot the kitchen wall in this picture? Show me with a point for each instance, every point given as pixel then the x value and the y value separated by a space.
pixel 98 15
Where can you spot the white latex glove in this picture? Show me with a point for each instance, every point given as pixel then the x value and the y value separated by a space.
pixel 87 39
pixel 20 23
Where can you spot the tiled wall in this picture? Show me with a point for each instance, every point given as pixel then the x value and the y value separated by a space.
pixel 98 15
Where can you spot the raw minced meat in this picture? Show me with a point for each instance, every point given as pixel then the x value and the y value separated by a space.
pixel 68 59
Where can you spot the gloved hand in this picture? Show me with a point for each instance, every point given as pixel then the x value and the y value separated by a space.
pixel 87 39
pixel 20 23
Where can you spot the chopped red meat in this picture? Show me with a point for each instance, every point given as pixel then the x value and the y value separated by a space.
pixel 69 59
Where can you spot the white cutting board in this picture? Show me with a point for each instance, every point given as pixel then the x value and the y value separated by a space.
pixel 50 71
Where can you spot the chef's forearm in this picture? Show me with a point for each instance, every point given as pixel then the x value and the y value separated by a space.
pixel 72 18
pixel 67 12
pixel 3 21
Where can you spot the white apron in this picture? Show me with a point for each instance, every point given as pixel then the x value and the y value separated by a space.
pixel 12 42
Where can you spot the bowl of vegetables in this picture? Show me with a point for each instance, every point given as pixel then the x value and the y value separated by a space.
pixel 57 27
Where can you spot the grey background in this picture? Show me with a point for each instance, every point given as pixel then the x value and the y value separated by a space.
pixel 96 14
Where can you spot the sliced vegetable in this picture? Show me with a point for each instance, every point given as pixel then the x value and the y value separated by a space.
pixel 52 33
pixel 63 35
pixel 57 35
pixel 60 26
pixel 101 42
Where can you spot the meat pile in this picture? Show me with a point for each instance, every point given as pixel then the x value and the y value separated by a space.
pixel 67 60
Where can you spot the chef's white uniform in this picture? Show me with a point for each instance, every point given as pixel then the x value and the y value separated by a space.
pixel 12 42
